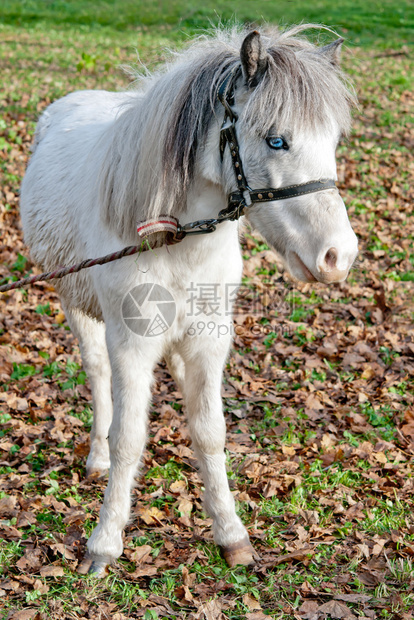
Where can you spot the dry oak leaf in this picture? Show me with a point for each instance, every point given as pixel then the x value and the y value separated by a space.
pixel 369 578
pixel 363 549
pixel 60 317
pixel 26 519
pixel 6 445
pixel 189 579
pixel 352 359
pixel 75 515
pixel 185 507
pixel 14 401
pixel 299 555
pixel 353 598
pixel 139 555
pixel 251 602
pixel 313 402
pixel 11 584
pixel 30 560
pixel 311 517
pixel 42 587
pixel 335 609
pixel 64 550
pixel 52 571
pixel 26 614
pixel 10 532
pixel 309 610
pixel 8 506
pixel 288 450
pixel 142 558
pixel 163 602
pixel 151 516
pixel 178 486
pixel 272 488
pixel 145 571
pixel 210 611
pixel 183 592
pixel 369 373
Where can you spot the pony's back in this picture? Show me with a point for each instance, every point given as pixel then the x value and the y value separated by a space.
pixel 80 108
pixel 59 201
pixel 59 188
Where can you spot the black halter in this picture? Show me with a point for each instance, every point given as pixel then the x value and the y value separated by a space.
pixel 245 196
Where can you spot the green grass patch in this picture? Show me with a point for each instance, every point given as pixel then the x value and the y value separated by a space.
pixel 369 22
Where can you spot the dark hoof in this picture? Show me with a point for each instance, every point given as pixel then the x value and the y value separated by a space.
pixel 96 474
pixel 95 568
pixel 239 553
pixel 98 569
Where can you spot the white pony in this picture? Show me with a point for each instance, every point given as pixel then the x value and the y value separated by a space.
pixel 104 161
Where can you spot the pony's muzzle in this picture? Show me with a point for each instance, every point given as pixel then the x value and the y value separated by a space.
pixel 333 264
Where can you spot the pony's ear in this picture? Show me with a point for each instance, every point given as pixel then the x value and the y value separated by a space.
pixel 333 51
pixel 253 58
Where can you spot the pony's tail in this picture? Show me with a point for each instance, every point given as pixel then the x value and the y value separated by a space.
pixel 42 126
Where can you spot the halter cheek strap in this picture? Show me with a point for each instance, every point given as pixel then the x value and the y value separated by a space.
pixel 245 196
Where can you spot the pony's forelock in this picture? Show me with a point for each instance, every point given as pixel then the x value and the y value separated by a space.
pixel 301 88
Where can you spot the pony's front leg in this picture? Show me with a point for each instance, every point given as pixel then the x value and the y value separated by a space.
pixel 203 378
pixel 132 361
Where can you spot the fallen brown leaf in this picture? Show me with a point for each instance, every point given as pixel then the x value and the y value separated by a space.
pixel 335 609
pixel 52 571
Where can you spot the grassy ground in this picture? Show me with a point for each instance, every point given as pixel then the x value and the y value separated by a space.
pixel 379 22
pixel 319 398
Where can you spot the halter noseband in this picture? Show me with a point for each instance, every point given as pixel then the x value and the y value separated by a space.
pixel 245 196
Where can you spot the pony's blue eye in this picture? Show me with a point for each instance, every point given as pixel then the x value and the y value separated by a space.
pixel 277 143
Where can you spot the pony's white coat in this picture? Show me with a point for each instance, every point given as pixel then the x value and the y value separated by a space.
pixel 103 161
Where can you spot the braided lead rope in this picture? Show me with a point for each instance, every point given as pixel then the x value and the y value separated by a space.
pixel 64 271
pixel 169 225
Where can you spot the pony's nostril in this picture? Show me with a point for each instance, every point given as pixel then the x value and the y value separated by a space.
pixel 330 259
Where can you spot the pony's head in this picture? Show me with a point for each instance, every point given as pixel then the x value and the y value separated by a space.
pixel 292 107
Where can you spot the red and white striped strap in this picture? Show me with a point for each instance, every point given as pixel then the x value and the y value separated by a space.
pixel 165 223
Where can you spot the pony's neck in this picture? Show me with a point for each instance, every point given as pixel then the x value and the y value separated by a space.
pixel 204 201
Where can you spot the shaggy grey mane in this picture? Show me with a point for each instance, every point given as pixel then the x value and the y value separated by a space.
pixel 152 147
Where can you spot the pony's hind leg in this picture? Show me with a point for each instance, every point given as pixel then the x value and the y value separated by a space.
pixel 132 361
pixel 91 336
pixel 203 377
